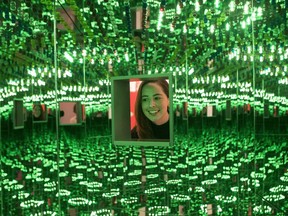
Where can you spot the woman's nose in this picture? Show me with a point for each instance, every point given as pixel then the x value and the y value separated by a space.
pixel 152 103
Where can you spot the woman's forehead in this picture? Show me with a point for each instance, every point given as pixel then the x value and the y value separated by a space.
pixel 152 88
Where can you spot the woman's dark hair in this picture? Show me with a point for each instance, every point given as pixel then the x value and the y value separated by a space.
pixel 144 128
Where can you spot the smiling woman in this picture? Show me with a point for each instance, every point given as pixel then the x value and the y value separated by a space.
pixel 141 108
pixel 152 110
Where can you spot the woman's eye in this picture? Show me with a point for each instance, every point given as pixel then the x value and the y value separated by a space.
pixel 157 98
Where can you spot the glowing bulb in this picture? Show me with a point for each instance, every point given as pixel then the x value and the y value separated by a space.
pixel 249 49
pixel 197 30
pixel 246 8
pixel 227 26
pixel 217 3
pixel 232 6
pixel 185 29
pixel 197 6
pixel 68 57
pixel 271 58
pixel 172 28
pixel 160 19
pixel 212 29
pixel 248 21
pixel 191 71
pixel 126 57
pixel 260 49
pixel 259 11
pixel 178 9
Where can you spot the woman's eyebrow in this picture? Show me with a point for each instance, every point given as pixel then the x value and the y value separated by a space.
pixel 157 94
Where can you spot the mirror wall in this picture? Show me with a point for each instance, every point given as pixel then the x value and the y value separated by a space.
pixel 229 64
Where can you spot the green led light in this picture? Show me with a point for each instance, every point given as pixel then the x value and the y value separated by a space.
pixel 63 193
pixel 31 203
pixel 180 197
pixel 78 201
pixel 155 190
pixel 158 210
pixel 226 199
pixel 129 200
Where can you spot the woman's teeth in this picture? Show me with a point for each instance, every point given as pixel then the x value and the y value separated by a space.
pixel 153 112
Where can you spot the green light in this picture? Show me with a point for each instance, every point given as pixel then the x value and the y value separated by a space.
pixel 178 9
pixel 246 8
pixel 216 3
pixel 259 12
pixel 102 212
pixel 197 6
pixel 180 197
pixel 129 200
pixel 68 57
pixel 227 26
pixel 126 56
pixel 78 201
pixel 184 29
pixel 260 49
pixel 243 24
pixel 232 6
pixel 212 29
pixel 273 48
pixel 271 58
pixel 158 210
pixel 191 71
pixel 160 19
pixel 84 53
pixel 262 209
pixel 248 21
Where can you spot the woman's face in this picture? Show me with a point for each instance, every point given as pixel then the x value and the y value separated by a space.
pixel 37 111
pixel 155 103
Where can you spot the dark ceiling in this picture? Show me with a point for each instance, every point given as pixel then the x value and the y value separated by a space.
pixel 244 40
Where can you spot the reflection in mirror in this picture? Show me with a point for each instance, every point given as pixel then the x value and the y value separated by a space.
pixel 271 118
pixel 39 113
pixel 140 110
pixel 71 113
pixel 216 165
pixel 18 114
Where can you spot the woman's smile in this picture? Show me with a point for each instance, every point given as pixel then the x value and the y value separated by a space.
pixel 155 104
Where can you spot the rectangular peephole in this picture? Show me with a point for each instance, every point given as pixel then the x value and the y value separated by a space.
pixel 39 113
pixel 18 113
pixel 142 110
pixel 71 113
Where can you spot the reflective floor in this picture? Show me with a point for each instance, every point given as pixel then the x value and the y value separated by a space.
pixel 211 174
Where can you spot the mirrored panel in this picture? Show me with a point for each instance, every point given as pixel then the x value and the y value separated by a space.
pixel 71 113
pixel 18 114
pixel 228 60
pixel 39 113
pixel 140 110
